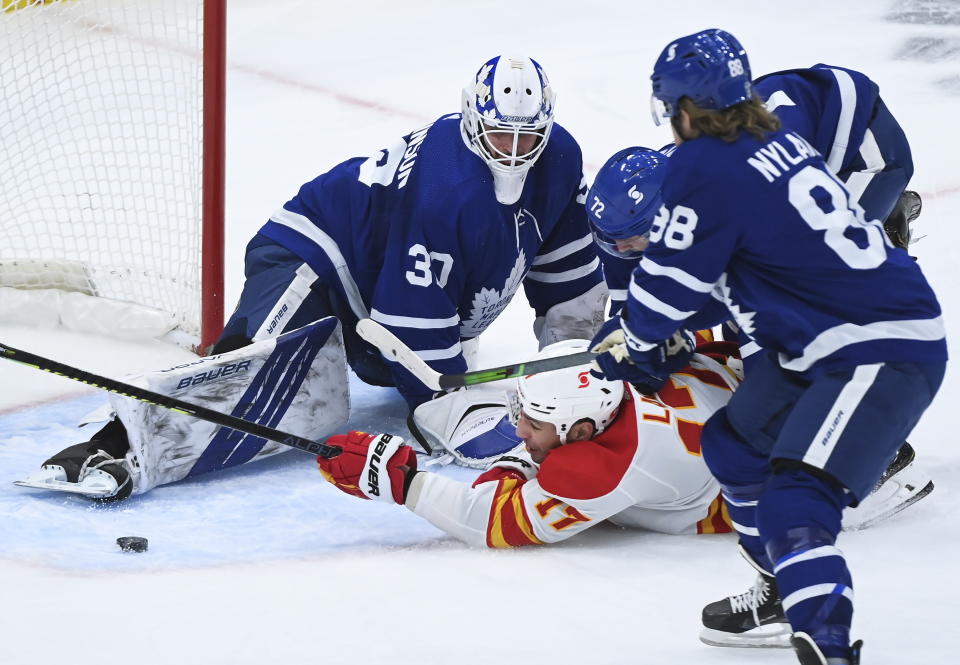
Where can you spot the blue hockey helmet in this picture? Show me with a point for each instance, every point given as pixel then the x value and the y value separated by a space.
pixel 625 197
pixel 709 67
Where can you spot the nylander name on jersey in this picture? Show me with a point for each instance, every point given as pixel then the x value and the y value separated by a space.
pixel 765 228
pixel 414 237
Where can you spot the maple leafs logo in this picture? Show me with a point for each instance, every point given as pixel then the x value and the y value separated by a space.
pixel 744 318
pixel 488 303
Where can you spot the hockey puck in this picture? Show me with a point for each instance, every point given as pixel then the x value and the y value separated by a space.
pixel 132 544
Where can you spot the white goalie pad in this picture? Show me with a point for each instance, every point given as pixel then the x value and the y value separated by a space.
pixel 296 382
pixel 579 318
pixel 472 426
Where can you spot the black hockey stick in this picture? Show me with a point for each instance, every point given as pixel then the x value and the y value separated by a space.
pixel 172 403
pixel 390 346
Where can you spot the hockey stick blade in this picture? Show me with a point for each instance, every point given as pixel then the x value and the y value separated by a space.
pixel 167 402
pixel 390 346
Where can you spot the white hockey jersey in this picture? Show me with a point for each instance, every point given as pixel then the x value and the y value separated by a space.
pixel 644 471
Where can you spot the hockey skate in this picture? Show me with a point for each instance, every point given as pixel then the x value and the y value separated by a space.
pixel 754 618
pixel 900 486
pixel 809 653
pixel 95 468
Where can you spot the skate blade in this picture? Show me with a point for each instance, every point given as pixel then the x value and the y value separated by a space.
pixel 771 636
pixel 92 486
pixel 889 511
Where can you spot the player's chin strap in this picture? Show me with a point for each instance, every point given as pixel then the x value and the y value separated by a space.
pixel 469 427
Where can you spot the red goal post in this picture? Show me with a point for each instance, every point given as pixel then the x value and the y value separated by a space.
pixel 112 166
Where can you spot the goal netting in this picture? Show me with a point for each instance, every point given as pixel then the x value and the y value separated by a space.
pixel 105 145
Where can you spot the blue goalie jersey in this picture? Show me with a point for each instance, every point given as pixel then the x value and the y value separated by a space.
pixel 765 228
pixel 415 238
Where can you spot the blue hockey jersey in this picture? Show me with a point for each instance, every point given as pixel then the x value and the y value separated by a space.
pixel 840 113
pixel 764 227
pixel 415 238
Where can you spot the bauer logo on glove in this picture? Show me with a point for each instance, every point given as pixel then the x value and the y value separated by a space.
pixel 371 466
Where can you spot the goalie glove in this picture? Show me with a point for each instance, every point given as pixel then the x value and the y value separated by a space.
pixel 647 365
pixel 371 466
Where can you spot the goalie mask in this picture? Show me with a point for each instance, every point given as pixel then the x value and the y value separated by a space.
pixel 625 198
pixel 507 118
pixel 567 396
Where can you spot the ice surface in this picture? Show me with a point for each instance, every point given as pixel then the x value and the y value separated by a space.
pixel 267 564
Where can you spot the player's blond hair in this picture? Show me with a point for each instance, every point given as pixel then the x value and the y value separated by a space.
pixel 750 116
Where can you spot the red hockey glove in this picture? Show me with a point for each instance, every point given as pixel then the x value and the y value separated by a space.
pixel 370 465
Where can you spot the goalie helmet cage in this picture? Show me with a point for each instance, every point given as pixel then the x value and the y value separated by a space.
pixel 112 165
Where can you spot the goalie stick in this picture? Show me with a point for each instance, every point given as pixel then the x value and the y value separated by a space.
pixel 390 346
pixel 167 402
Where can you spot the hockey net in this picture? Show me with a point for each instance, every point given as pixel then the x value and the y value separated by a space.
pixel 111 118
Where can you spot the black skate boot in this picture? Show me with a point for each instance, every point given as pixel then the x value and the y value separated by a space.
pixel 900 486
pixel 897 224
pixel 94 468
pixel 809 653
pixel 754 618
pixel 904 457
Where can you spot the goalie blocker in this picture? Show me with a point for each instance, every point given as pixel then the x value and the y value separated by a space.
pixel 296 382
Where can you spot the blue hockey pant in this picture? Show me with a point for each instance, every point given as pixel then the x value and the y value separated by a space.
pixel 791 451
pixel 281 292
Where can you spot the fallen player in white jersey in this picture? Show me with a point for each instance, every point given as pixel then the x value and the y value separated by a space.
pixel 594 450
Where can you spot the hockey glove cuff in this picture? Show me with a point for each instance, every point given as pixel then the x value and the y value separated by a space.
pixel 518 465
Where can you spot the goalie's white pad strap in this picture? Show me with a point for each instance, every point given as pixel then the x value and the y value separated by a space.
pixel 101 414
pixel 287 304
pixel 578 318
pixel 296 382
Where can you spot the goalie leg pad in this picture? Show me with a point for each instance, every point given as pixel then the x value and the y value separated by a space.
pixel 578 318
pixel 295 382
pixel 472 426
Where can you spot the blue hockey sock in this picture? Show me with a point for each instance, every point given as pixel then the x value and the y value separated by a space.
pixel 742 472
pixel 799 518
